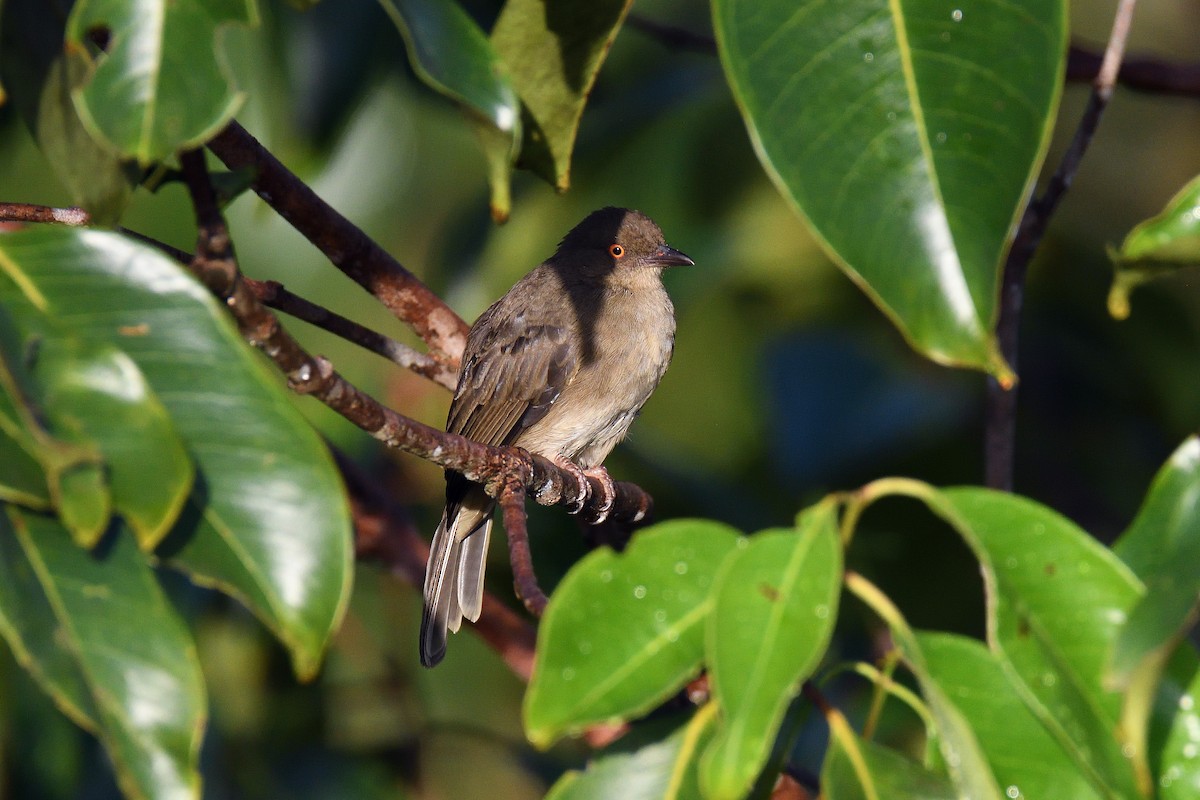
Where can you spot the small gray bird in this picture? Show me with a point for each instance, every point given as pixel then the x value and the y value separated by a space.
pixel 560 366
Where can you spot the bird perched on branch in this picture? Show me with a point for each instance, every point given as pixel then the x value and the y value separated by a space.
pixel 560 366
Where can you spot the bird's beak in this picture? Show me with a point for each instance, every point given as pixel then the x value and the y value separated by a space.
pixel 670 257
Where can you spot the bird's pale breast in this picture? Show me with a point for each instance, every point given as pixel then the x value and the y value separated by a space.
pixel 595 410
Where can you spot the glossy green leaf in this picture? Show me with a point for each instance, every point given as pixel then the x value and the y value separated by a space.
pixel 554 51
pixel 1166 242
pixel 1023 756
pixel 162 83
pixel 90 393
pixel 32 629
pixel 1163 547
pixel 908 133
pixel 72 465
pixel 267 521
pixel 624 631
pixel 451 54
pixel 1178 762
pixel 888 775
pixel 41 75
pixel 1056 601
pixel 143 680
pixel 661 770
pixel 95 390
pixel 964 757
pixel 775 605
pixel 22 480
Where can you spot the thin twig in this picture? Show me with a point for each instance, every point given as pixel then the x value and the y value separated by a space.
pixel 512 503
pixel 273 295
pixel 1142 74
pixel 1001 411
pixel 346 246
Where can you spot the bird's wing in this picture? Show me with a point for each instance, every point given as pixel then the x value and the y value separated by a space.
pixel 511 381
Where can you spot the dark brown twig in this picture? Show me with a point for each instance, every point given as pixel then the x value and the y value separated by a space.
pixel 1001 411
pixel 1142 74
pixel 273 295
pixel 346 246
pixel 512 504
pixel 28 212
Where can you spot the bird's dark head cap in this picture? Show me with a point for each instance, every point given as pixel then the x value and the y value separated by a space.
pixel 622 237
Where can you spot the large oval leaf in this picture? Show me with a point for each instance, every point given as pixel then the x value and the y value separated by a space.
pixel 161 85
pixel 775 605
pixel 1056 599
pixel 908 133
pixel 143 681
pixel 624 631
pixel 267 521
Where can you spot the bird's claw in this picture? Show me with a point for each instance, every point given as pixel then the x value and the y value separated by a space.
pixel 608 495
pixel 581 483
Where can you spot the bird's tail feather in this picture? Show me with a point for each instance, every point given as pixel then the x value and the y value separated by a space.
pixel 454 574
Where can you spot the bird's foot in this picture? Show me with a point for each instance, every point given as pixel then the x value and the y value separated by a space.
pixel 581 483
pixel 608 494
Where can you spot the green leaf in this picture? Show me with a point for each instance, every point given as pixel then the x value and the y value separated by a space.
pixel 624 631
pixel 1158 246
pixel 73 468
pixel 454 57
pixel 775 605
pixel 1163 547
pixel 96 391
pixel 1023 756
pixel 30 625
pixel 661 770
pixel 554 51
pixel 162 85
pixel 908 134
pixel 1179 767
pixel 143 680
pixel 964 757
pixel 1056 601
pixel 883 774
pixel 267 521
pixel 92 394
pixel 41 75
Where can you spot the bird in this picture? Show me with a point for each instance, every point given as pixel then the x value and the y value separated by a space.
pixel 560 366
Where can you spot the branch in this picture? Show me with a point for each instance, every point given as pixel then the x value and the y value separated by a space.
pixel 347 247
pixel 512 502
pixel 1001 412
pixel 1143 74
pixel 274 295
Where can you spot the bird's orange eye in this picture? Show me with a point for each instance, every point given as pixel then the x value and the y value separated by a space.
pixel 616 251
